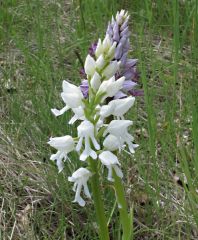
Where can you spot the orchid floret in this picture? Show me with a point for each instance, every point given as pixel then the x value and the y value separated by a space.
pixel 110 160
pixel 86 133
pixel 63 145
pixel 80 178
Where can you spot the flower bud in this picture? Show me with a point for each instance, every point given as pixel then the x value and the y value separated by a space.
pixel 95 81
pixel 90 65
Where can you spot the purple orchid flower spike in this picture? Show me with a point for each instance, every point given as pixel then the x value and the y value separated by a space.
pixel 118 31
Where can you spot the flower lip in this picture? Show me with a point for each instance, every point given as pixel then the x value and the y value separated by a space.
pixel 80 178
pixel 110 160
pixel 63 145
pixel 86 134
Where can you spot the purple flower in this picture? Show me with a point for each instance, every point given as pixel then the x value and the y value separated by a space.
pixel 92 49
pixel 137 92
pixel 84 87
pixel 118 31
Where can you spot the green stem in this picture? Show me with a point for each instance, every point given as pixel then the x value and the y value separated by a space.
pixel 125 218
pixel 99 207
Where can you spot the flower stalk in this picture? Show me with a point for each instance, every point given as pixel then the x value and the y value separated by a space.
pixel 98 203
pixel 125 218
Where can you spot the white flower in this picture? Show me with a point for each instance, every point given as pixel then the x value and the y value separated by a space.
pixel 117 107
pixel 111 51
pixel 80 178
pixel 111 143
pixel 64 145
pixel 118 128
pixel 100 62
pixel 57 112
pixel 95 81
pixel 111 87
pixel 86 132
pixel 106 110
pixel 111 69
pixel 106 43
pixel 121 16
pixel 72 97
pixel 105 47
pixel 99 48
pixel 90 65
pixel 111 162
pixel 78 115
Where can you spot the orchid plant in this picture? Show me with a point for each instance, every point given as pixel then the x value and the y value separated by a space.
pixel 102 132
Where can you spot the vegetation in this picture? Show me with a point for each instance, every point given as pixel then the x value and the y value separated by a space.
pixel 44 42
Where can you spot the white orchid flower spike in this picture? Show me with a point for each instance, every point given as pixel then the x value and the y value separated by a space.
pixel 86 133
pixel 64 145
pixel 80 178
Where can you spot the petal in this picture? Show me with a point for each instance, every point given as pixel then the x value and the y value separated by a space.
pixel 111 69
pixel 122 106
pixel 100 62
pixel 118 171
pixel 124 25
pixel 93 154
pixel 118 52
pixel 86 190
pixel 111 143
pixel 60 165
pixel 95 143
pixel 69 87
pixel 116 36
pixel 95 81
pixel 78 198
pixel 106 43
pixel 120 95
pixel 111 51
pixel 130 63
pixel 115 87
pixel 108 158
pixel 109 177
pixel 87 151
pixel 128 85
pixel 79 144
pixel 73 99
pixel 71 179
pixel 57 112
pixel 90 65
pixel 106 111
pixel 99 48
pixel 64 144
